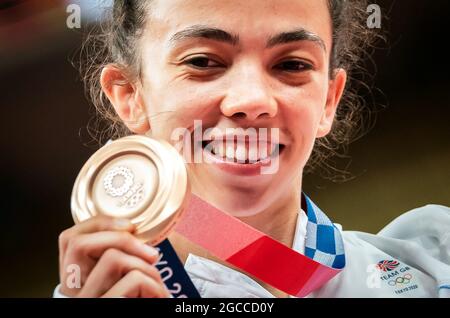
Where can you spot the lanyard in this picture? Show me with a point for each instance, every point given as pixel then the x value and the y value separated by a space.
pixel 262 257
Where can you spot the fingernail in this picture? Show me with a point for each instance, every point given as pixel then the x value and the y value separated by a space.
pixel 150 250
pixel 122 223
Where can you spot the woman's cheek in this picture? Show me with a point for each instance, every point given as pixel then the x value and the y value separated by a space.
pixel 303 123
pixel 166 115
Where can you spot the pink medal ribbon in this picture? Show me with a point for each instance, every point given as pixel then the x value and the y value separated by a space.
pixel 259 255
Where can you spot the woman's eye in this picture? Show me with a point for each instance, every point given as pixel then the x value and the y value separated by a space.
pixel 202 62
pixel 293 66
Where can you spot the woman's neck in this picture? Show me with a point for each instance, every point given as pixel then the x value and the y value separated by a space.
pixel 278 221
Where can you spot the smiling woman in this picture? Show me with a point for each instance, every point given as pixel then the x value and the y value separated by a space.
pixel 158 66
pixel 115 38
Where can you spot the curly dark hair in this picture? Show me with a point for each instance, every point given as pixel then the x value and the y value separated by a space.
pixel 114 41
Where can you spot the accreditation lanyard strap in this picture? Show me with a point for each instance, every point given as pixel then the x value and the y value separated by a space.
pixel 262 257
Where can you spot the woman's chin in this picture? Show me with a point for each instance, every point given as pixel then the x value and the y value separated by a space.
pixel 235 188
pixel 240 199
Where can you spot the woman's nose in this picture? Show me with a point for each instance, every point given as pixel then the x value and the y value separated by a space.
pixel 249 97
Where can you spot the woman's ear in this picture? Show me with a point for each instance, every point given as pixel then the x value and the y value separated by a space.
pixel 125 98
pixel 336 88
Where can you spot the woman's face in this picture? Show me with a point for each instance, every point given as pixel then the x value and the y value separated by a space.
pixel 241 64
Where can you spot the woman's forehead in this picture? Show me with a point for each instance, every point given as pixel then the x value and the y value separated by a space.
pixel 244 20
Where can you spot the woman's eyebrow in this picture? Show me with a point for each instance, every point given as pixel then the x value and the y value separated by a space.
pixel 299 34
pixel 201 31
pixel 212 33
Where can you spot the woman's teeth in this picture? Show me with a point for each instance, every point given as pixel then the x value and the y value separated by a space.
pixel 242 152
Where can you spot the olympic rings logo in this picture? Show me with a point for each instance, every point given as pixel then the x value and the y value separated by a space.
pixel 406 279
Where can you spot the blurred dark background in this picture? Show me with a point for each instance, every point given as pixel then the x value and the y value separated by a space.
pixel 401 164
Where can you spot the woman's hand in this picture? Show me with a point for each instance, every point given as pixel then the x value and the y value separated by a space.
pixel 112 262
